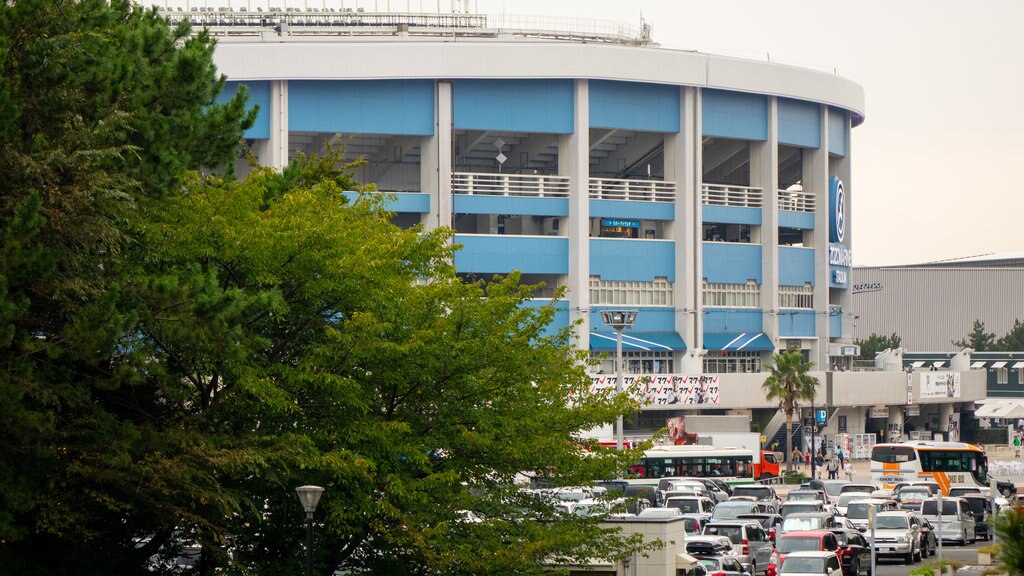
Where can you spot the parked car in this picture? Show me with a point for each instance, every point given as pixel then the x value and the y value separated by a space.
pixel 691 505
pixel 932 487
pixel 857 510
pixel 660 513
pixel 706 545
pixel 896 534
pixel 806 496
pixel 845 499
pixel 693 523
pixel 722 565
pixel 981 507
pixel 858 487
pixel 733 508
pixel 800 541
pixel 928 538
pixel 648 493
pixel 770 522
pixel 957 523
pixel 833 488
pixel 811 564
pixel 854 551
pixel 759 492
pixel 752 540
pixel 910 497
pixel 792 507
pixel 804 521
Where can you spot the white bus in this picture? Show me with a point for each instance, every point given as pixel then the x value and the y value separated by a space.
pixel 731 465
pixel 949 464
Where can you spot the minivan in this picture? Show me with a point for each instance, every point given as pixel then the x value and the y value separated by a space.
pixel 957 520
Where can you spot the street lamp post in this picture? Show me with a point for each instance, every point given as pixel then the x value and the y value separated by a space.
pixel 619 320
pixel 309 496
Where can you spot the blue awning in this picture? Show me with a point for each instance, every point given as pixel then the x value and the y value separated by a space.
pixel 735 341
pixel 637 341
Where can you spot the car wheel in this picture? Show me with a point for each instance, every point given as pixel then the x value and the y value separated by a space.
pixel 855 568
pixel 918 556
pixel 908 559
pixel 753 569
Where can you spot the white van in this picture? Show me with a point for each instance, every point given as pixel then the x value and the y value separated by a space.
pixel 957 519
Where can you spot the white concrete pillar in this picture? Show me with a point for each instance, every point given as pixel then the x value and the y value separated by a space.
pixel 436 161
pixel 945 416
pixel 273 152
pixel 682 153
pixel 574 162
pixel 841 166
pixel 764 173
pixel 894 425
pixel 815 174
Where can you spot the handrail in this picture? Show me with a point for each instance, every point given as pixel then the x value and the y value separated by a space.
pixel 797 200
pixel 727 195
pixel 633 190
pixel 528 185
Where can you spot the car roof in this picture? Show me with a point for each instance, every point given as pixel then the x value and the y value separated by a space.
pixel 808 515
pixel 707 538
pixel 804 503
pixel 805 533
pixel 811 554
pixel 895 513
pixel 736 522
pixel 871 501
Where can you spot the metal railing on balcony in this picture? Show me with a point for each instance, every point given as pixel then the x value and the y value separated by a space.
pixel 527 185
pixel 797 200
pixel 725 195
pixel 634 190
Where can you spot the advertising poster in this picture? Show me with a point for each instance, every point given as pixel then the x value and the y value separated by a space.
pixel 940 385
pixel 664 389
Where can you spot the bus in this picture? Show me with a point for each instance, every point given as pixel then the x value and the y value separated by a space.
pixel 731 465
pixel 949 464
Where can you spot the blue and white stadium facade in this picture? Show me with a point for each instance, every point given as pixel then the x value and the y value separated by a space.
pixel 711 194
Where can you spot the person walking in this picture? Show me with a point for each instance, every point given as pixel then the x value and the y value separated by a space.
pixel 819 463
pixel 842 458
pixel 1016 446
pixel 848 468
pixel 798 458
pixel 833 468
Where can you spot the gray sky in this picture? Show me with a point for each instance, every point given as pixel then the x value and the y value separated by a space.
pixel 933 163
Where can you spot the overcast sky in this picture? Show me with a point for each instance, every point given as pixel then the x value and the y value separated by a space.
pixel 934 164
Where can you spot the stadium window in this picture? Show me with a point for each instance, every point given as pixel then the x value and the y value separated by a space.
pixel 1002 375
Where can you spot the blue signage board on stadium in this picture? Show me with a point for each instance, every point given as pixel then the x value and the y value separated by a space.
pixel 615 223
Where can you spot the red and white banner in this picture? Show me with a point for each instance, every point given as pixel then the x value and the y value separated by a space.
pixel 663 389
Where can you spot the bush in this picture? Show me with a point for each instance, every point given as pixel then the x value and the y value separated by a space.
pixel 795 478
pixel 930 568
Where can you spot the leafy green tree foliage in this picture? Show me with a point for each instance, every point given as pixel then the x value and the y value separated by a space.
pixel 790 384
pixel 1009 528
pixel 978 339
pixel 873 344
pixel 1013 340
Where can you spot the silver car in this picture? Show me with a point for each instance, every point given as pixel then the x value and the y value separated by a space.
pixel 897 534
pixel 755 548
pixel 957 523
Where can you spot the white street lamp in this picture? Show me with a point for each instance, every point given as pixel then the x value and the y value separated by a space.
pixel 309 496
pixel 619 320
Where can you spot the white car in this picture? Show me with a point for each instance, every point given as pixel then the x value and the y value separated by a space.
pixel 897 534
pixel 811 564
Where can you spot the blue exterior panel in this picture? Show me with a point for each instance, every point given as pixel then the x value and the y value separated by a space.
pixel 735 115
pixel 259 95
pixel 634 106
pixel 362 106
pixel 799 220
pixel 837 128
pixel 503 254
pixel 835 322
pixel 731 215
pixel 632 210
pixel 561 319
pixel 465 204
pixel 730 263
pixel 797 323
pixel 640 260
pixel 732 320
pixel 796 266
pixel 403 202
pixel 514 105
pixel 799 123
pixel 649 319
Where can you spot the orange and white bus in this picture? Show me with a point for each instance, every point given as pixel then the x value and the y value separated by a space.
pixel 949 464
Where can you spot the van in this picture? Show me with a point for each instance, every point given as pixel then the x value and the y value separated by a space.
pixel 957 520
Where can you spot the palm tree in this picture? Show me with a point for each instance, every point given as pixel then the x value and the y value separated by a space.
pixel 790 384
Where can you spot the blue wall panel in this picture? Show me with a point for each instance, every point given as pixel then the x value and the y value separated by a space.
pixel 465 204
pixel 732 320
pixel 799 123
pixel 259 95
pixel 634 106
pixel 403 202
pixel 632 210
pixel 835 322
pixel 734 115
pixel 641 260
pixel 731 215
pixel 648 319
pixel 514 105
pixel 796 266
pixel 561 319
pixel 797 323
pixel 731 263
pixel 362 106
pixel 799 220
pixel 503 254
pixel 837 128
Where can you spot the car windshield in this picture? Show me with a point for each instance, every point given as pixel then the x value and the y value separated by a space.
pixel 788 509
pixel 732 509
pixel 733 533
pixel 845 499
pixel 978 505
pixel 857 510
pixel 759 492
pixel 906 495
pixel 803 496
pixel 863 488
pixel 710 563
pixel 801 564
pixel 801 544
pixel 687 505
pixel 834 488
pixel 811 523
pixel 764 521
pixel 891 523
pixel 931 508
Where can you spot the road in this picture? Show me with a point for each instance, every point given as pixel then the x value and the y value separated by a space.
pixel 966 554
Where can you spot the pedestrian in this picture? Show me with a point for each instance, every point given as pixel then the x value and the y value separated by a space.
pixel 798 458
pixel 1016 446
pixel 848 468
pixel 842 460
pixel 833 468
pixel 819 463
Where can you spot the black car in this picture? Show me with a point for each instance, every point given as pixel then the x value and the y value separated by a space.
pixel 981 507
pixel 928 537
pixel 854 551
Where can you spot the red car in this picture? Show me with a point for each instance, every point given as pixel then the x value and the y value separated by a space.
pixel 816 540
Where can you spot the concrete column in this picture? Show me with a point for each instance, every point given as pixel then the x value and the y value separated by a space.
pixel 273 152
pixel 945 414
pixel 574 162
pixel 764 173
pixel 842 167
pixel 894 425
pixel 682 153
pixel 815 175
pixel 436 161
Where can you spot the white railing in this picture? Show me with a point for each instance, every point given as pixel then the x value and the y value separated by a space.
pixel 635 190
pixel 797 200
pixel 725 195
pixel 529 185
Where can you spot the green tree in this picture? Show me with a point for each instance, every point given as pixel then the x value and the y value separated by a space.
pixel 873 344
pixel 1009 527
pixel 1013 340
pixel 978 339
pixel 790 384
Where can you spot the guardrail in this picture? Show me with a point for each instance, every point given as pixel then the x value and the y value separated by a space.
pixel 634 190
pixel 797 201
pixel 725 195
pixel 528 185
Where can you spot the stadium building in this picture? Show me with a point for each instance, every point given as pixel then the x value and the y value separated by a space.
pixel 711 194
